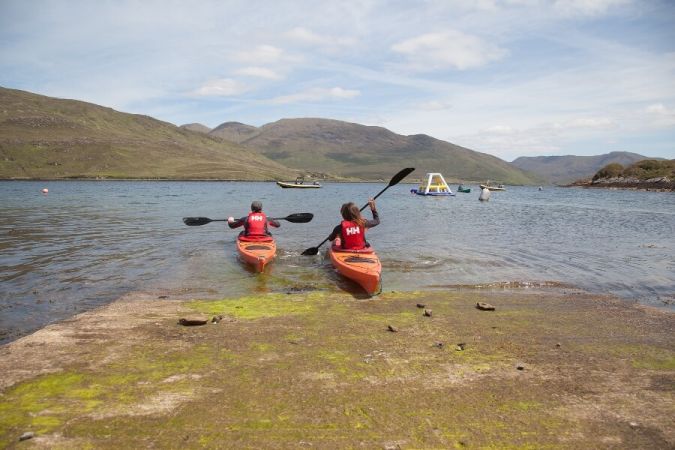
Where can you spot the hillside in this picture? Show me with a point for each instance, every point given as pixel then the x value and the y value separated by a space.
pixel 43 137
pixel 353 150
pixel 648 174
pixel 565 169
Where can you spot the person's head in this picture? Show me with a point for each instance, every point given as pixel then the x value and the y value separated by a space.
pixel 256 206
pixel 351 213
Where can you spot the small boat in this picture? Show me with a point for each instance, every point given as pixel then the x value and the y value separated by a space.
pixel 435 186
pixel 299 183
pixel 257 252
pixel 361 266
pixel 463 190
pixel 493 188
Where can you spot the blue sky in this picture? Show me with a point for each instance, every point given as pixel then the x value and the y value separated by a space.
pixel 506 77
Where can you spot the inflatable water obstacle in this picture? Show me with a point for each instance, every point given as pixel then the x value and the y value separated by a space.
pixel 435 185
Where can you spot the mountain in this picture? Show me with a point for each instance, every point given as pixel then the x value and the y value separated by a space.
pixel 44 137
pixel 198 127
pixel 234 131
pixel 566 169
pixel 367 152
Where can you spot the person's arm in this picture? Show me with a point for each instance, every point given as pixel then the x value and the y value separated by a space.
pixel 376 220
pixel 335 233
pixel 235 223
pixel 376 216
pixel 273 223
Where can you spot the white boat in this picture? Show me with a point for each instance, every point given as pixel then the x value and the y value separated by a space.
pixel 300 184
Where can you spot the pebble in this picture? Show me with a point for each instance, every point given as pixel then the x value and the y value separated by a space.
pixel 520 366
pixel 216 319
pixel 558 345
pixel 438 345
pixel 392 328
pixel 421 305
pixel 192 321
pixel 163 297
pixel 27 435
pixel 633 424
pixel 428 312
pixel 485 306
pixel 460 347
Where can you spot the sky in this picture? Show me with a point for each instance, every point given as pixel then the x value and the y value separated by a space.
pixel 506 77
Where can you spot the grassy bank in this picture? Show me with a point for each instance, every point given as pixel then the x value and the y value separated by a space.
pixel 547 369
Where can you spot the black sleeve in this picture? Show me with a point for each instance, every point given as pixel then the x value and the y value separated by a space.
pixel 335 233
pixel 375 222
pixel 237 223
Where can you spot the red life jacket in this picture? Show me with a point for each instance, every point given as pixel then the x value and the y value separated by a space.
pixel 256 224
pixel 353 235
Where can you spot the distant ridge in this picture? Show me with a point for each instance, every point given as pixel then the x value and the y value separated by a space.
pixel 198 127
pixel 44 137
pixel 569 168
pixel 234 131
pixel 368 152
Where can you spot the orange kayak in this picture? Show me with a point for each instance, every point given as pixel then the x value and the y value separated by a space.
pixel 257 253
pixel 362 267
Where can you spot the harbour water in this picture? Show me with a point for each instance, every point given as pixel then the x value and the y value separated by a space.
pixel 86 243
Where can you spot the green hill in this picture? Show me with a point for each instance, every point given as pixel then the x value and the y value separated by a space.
pixel 353 150
pixel 565 169
pixel 43 137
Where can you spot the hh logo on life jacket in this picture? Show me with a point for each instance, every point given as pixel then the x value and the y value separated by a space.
pixel 257 218
pixel 353 230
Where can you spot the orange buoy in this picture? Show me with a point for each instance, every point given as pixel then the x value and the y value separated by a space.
pixel 45 191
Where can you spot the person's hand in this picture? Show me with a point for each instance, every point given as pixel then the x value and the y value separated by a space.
pixel 230 219
pixel 371 203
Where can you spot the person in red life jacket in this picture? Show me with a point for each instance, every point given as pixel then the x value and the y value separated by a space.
pixel 351 233
pixel 255 224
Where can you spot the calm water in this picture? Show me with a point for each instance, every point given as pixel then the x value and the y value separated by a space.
pixel 88 242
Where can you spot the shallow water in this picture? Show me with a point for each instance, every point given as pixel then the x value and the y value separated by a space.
pixel 89 242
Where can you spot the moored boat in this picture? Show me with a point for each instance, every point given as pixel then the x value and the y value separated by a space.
pixel 361 266
pixel 463 190
pixel 493 188
pixel 257 252
pixel 299 183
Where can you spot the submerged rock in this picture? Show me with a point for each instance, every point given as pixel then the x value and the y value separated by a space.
pixel 427 312
pixel 392 328
pixel 27 435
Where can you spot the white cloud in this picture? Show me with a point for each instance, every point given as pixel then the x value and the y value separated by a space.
pixel 318 94
pixel 309 37
pixel 448 49
pixel 224 87
pixel 586 7
pixel 261 54
pixel 259 72
pixel 658 115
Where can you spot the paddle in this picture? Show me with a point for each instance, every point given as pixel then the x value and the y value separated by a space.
pixel 294 218
pixel 394 181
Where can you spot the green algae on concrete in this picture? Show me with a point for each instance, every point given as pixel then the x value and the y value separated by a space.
pixel 329 374
pixel 256 307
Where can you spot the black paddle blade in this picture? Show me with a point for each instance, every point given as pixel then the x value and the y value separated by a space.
pixel 311 251
pixel 300 217
pixel 196 221
pixel 401 175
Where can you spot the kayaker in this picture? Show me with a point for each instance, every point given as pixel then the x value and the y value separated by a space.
pixel 351 233
pixel 255 224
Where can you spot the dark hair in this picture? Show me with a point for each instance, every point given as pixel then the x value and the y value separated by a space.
pixel 256 206
pixel 351 212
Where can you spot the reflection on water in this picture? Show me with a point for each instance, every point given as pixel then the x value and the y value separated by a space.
pixel 88 242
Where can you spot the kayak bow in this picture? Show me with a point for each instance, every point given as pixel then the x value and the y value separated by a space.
pixel 362 267
pixel 257 253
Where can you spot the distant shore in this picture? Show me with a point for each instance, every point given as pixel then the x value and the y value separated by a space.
pixel 661 184
pixel 546 368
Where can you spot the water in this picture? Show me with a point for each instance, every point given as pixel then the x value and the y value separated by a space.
pixel 89 242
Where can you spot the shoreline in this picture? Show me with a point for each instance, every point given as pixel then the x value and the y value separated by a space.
pixel 550 367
